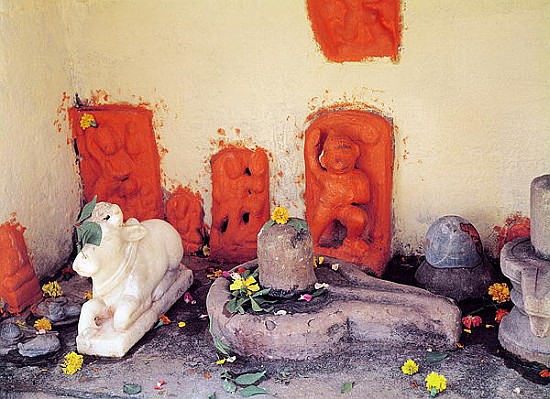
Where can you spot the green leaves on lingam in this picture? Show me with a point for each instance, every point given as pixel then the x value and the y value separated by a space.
pixel 86 231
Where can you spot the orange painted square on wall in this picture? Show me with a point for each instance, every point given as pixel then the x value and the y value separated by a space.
pixel 354 30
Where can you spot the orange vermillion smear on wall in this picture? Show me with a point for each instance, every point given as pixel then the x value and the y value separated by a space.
pixel 119 161
pixel 349 166
pixel 19 286
pixel 184 211
pixel 352 30
pixel 240 202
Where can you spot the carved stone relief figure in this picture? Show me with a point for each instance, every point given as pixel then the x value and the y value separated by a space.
pixel 119 161
pixel 240 202
pixel 349 157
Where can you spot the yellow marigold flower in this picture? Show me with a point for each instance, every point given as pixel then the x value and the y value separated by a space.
pixel 435 383
pixel 43 324
pixel 250 284
pixel 409 367
pixel 280 215
pixel 87 120
pixel 52 289
pixel 88 295
pixel 499 292
pixel 73 363
pixel 206 250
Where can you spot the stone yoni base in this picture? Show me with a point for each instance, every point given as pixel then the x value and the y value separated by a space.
pixel 363 308
pixel 110 343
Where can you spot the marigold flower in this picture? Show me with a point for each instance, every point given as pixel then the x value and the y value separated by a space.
pixel 73 362
pixel 87 120
pixel 52 289
pixel 88 295
pixel 280 215
pixel 499 292
pixel 43 324
pixel 214 274
pixel 409 367
pixel 545 373
pixel 249 284
pixel 435 383
pixel 471 321
pixel 164 319
pixel 206 251
pixel 500 314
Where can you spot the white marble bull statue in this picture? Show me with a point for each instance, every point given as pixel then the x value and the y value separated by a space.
pixel 133 266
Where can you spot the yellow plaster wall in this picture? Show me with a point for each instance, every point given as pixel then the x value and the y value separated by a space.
pixel 39 180
pixel 469 96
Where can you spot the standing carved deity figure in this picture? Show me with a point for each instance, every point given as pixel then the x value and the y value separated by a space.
pixel 348 156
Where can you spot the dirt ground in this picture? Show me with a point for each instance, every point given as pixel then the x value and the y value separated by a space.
pixel 183 360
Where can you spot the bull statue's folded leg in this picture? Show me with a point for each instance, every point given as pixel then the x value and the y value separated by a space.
pixel 93 314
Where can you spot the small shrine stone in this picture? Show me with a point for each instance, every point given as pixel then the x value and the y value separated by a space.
pixel 454 265
pixel 40 345
pixel 452 241
pixel 10 333
pixel 285 258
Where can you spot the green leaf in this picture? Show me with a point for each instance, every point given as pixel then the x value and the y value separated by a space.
pixel 229 386
pixel 261 292
pixel 88 232
pixel 223 348
pixel 249 378
pixel 212 396
pixel 318 292
pixel 87 210
pixel 252 390
pixel 298 224
pixel 255 306
pixel 268 224
pixel 435 357
pixel 347 387
pixel 131 389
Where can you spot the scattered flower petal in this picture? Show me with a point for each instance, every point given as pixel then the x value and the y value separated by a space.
pixel 182 324
pixel 335 266
pixel 206 251
pixel 203 316
pixel 281 312
pixel 73 362
pixel 43 324
pixel 189 299
pixel 545 373
pixel 517 390
pixel 88 295
pixel 500 313
pixel 318 286
pixel 409 367
pixel 471 321
pixel 160 385
pixel 459 345
pixel 435 383
pixel 241 270
pixel 52 289
pixel 305 297
pixel 499 292
pixel 489 326
pixel 467 330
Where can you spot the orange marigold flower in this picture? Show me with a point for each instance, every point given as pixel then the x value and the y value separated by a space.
pixel 499 292
pixel 500 314
pixel 545 373
pixel 164 319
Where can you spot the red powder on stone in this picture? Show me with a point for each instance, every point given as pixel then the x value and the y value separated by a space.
pixel 119 158
pixel 19 286
pixel 354 30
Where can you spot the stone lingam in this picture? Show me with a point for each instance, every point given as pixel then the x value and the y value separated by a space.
pixel 136 276
pixel 526 262
pixel 355 305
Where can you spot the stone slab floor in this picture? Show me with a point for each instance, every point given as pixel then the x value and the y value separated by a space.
pixel 184 358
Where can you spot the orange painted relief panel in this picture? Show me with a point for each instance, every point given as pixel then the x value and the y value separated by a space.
pixel 353 30
pixel 184 211
pixel 19 286
pixel 119 161
pixel 349 167
pixel 240 202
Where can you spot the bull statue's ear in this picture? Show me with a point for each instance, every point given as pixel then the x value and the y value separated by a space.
pixel 133 232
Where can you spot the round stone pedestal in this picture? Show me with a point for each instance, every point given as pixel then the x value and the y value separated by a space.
pixel 526 330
